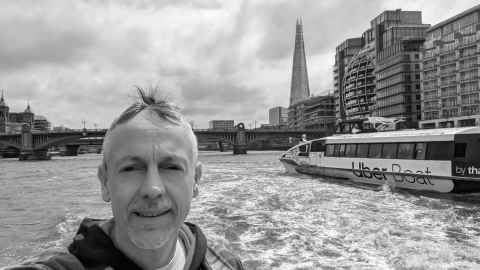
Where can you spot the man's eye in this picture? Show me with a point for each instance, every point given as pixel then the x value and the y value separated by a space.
pixel 173 167
pixel 129 168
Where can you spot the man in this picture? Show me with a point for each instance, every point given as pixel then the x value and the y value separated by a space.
pixel 150 174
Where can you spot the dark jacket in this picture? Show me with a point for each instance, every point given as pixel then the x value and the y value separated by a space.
pixel 92 249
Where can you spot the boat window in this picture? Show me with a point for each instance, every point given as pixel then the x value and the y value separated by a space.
pixel 405 150
pixel 351 150
pixel 317 146
pixel 303 150
pixel 341 152
pixel 375 150
pixel 329 152
pixel 336 149
pixel 460 150
pixel 420 150
pixel 362 150
pixel 439 151
pixel 389 150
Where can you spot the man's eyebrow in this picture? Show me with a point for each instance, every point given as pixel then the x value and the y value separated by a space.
pixel 170 157
pixel 128 158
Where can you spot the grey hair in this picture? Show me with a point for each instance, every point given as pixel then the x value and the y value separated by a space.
pixel 148 101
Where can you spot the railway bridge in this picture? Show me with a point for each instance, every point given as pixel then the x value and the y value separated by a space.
pixel 31 145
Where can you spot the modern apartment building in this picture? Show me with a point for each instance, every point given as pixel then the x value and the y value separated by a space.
pixel 278 116
pixel 221 124
pixel 451 72
pixel 383 77
pixel 317 112
pixel 398 44
pixel 344 53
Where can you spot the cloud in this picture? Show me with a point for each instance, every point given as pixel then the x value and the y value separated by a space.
pixel 42 35
pixel 80 60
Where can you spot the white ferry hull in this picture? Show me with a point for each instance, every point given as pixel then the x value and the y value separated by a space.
pixel 410 181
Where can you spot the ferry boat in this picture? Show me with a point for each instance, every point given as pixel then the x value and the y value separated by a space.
pixel 441 160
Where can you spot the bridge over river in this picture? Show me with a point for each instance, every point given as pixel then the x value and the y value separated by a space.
pixel 31 145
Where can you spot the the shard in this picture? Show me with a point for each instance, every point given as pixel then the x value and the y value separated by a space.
pixel 299 89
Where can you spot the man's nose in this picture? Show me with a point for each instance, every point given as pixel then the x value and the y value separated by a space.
pixel 153 186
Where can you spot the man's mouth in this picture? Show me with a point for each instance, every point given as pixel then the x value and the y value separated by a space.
pixel 150 213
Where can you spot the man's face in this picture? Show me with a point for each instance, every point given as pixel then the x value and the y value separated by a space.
pixel 150 176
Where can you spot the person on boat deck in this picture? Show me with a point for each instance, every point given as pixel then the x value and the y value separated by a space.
pixel 149 173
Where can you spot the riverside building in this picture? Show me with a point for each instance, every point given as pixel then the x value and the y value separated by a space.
pixel 383 77
pixel 343 54
pixel 221 124
pixel 316 112
pixel 450 77
pixel 399 42
pixel 305 111
pixel 278 116
pixel 12 122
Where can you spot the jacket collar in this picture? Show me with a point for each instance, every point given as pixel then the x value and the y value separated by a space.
pixel 94 248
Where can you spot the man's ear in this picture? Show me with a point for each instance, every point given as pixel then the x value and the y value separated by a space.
pixel 102 176
pixel 198 175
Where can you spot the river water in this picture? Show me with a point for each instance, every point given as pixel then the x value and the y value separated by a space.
pixel 272 220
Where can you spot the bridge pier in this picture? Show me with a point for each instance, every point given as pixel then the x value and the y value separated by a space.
pixel 240 145
pixel 71 150
pixel 220 146
pixel 239 149
pixel 30 154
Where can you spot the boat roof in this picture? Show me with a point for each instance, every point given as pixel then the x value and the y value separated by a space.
pixel 411 135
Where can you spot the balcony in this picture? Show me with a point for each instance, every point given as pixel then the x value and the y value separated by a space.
pixel 466 43
pixel 472 78
pixel 429 67
pixel 468 67
pixel 467 55
pixel 430 97
pixel 468 90
pixel 448 94
pixel 431 108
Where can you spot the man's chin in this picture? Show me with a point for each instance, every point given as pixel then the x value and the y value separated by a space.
pixel 149 239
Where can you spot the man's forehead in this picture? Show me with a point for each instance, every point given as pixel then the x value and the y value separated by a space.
pixel 143 126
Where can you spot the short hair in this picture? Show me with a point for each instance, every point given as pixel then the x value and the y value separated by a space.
pixel 148 100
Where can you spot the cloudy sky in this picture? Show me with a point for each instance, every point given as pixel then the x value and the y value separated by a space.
pixel 80 60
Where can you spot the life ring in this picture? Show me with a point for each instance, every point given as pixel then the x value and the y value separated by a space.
pixel 240 126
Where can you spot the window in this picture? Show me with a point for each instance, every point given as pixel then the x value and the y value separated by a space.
pixel 341 151
pixel 317 146
pixel 420 150
pixel 389 150
pixel 362 150
pixel 329 152
pixel 405 150
pixel 351 150
pixel 375 150
pixel 460 150
pixel 303 150
pixel 336 149
pixel 439 151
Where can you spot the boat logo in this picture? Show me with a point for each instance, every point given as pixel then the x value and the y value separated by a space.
pixel 397 172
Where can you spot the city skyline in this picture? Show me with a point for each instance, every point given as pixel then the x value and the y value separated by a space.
pixel 78 61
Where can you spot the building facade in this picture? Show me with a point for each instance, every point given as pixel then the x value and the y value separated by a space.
pixel 398 45
pixel 299 87
pixel 12 122
pixel 383 78
pixel 40 123
pixel 343 54
pixel 451 72
pixel 221 124
pixel 317 112
pixel 278 116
